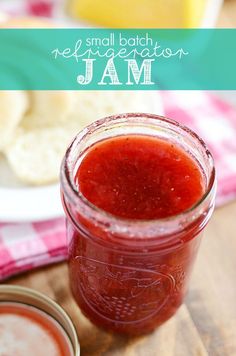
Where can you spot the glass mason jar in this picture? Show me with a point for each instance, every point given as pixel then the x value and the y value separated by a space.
pixel 129 276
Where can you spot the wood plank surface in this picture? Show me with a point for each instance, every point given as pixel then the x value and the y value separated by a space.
pixel 206 322
pixel 204 325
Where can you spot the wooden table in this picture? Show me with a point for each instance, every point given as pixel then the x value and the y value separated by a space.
pixel 204 325
pixel 206 322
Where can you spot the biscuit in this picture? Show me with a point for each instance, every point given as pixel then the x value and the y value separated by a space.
pixel 94 105
pixel 35 156
pixel 49 108
pixel 13 105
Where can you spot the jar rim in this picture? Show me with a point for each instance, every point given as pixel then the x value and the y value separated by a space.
pixel 70 190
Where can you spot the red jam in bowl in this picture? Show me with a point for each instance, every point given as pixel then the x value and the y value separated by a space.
pixel 26 330
pixel 136 205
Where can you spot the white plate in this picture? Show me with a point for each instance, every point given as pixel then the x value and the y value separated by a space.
pixel 30 204
pixel 20 203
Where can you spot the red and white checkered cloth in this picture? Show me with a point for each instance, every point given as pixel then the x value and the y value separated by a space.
pixel 26 246
pixel 215 121
pixel 29 245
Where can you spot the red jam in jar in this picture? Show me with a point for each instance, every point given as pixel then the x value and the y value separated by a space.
pixel 139 177
pixel 138 190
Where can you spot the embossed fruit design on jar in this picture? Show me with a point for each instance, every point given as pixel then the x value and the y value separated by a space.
pixel 138 190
